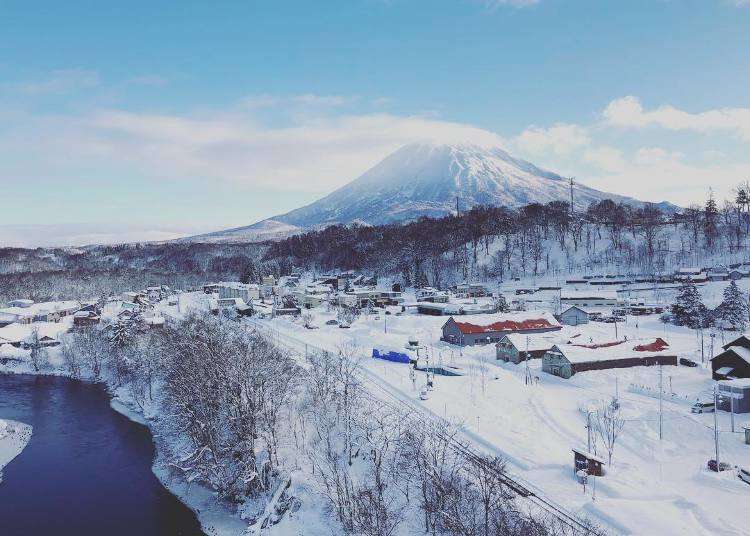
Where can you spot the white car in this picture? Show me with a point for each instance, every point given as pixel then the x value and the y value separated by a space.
pixel 424 394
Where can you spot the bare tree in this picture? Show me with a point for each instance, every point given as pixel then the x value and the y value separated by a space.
pixel 609 424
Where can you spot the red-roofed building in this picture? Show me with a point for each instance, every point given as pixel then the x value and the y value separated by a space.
pixel 469 334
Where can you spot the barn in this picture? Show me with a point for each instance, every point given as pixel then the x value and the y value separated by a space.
pixel 589 299
pixel 565 360
pixel 574 316
pixel 734 361
pixel 469 334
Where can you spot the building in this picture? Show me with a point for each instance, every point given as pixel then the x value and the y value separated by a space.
pixel 246 292
pixel 565 360
pixel 432 295
pixel 734 361
pixel 472 290
pixel 514 347
pixel 587 461
pixel 589 298
pixel 734 395
pixel 85 318
pixel 38 312
pixel 445 309
pixel 469 334
pixel 574 316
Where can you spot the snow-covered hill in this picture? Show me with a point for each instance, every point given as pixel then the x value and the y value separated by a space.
pixel 425 179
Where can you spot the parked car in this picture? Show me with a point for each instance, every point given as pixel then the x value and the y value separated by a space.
pixel 703 407
pixel 688 362
pixel 424 394
pixel 332 322
pixel 311 326
pixel 744 474
pixel 723 466
pixel 344 326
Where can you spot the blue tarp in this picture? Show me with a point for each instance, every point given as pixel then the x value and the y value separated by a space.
pixel 396 357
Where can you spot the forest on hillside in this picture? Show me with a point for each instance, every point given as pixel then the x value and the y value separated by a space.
pixel 497 242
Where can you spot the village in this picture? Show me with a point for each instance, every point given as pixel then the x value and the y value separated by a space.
pixel 581 384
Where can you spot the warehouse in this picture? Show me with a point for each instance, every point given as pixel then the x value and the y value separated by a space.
pixel 469 334
pixel 565 360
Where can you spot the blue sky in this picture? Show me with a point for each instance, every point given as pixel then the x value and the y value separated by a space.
pixel 186 116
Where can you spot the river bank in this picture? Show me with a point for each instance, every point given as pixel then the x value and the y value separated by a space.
pixel 215 517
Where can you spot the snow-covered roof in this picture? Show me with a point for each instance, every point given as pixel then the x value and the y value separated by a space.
pixel 742 383
pixel 575 307
pixel 588 294
pixel 535 343
pixel 512 322
pixel 43 307
pixel 740 351
pixel 616 350
pixel 15 333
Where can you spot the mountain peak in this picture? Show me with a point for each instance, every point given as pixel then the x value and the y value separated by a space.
pixel 425 179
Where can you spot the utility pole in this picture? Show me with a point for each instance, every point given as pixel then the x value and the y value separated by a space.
pixel 731 406
pixel 571 196
pixel 716 427
pixel 527 380
pixel 661 420
pixel 588 428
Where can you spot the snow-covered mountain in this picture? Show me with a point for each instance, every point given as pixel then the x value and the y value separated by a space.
pixel 424 179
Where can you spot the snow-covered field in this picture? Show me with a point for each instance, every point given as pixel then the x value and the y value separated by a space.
pixel 652 487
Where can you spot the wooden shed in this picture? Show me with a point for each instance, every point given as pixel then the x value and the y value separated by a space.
pixel 587 461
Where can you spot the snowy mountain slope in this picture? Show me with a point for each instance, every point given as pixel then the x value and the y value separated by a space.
pixel 424 179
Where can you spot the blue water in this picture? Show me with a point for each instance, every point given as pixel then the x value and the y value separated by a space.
pixel 86 470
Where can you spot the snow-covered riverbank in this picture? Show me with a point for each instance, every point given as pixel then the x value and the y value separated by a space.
pixel 216 518
pixel 14 436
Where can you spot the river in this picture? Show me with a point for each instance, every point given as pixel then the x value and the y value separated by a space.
pixel 86 470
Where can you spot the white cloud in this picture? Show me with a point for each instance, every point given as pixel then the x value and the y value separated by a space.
pixel 650 156
pixel 61 81
pixel 312 154
pixel 605 158
pixel 513 3
pixel 629 112
pixel 307 99
pixel 560 139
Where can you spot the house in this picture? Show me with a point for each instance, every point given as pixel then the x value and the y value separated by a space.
pixel 589 299
pixel 693 274
pixel 565 360
pixel 514 347
pixel 444 309
pixel 574 316
pixel 429 294
pixel 8 318
pixel 39 312
pixel 85 318
pixel 734 275
pixel 734 361
pixel 734 395
pixel 717 275
pixel 469 334
pixel 245 291
pixel 21 303
pixel 472 290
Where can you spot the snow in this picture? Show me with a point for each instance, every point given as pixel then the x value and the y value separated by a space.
pixel 424 179
pixel 14 436
pixel 653 486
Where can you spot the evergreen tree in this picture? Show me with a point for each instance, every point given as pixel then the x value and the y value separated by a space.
pixel 711 220
pixel 733 310
pixel 502 304
pixel 688 309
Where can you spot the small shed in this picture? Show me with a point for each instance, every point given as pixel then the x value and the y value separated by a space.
pixel 584 460
pixel 734 395
pixel 574 316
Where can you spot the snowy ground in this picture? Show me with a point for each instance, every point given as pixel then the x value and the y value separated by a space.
pixel 653 487
pixel 14 436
